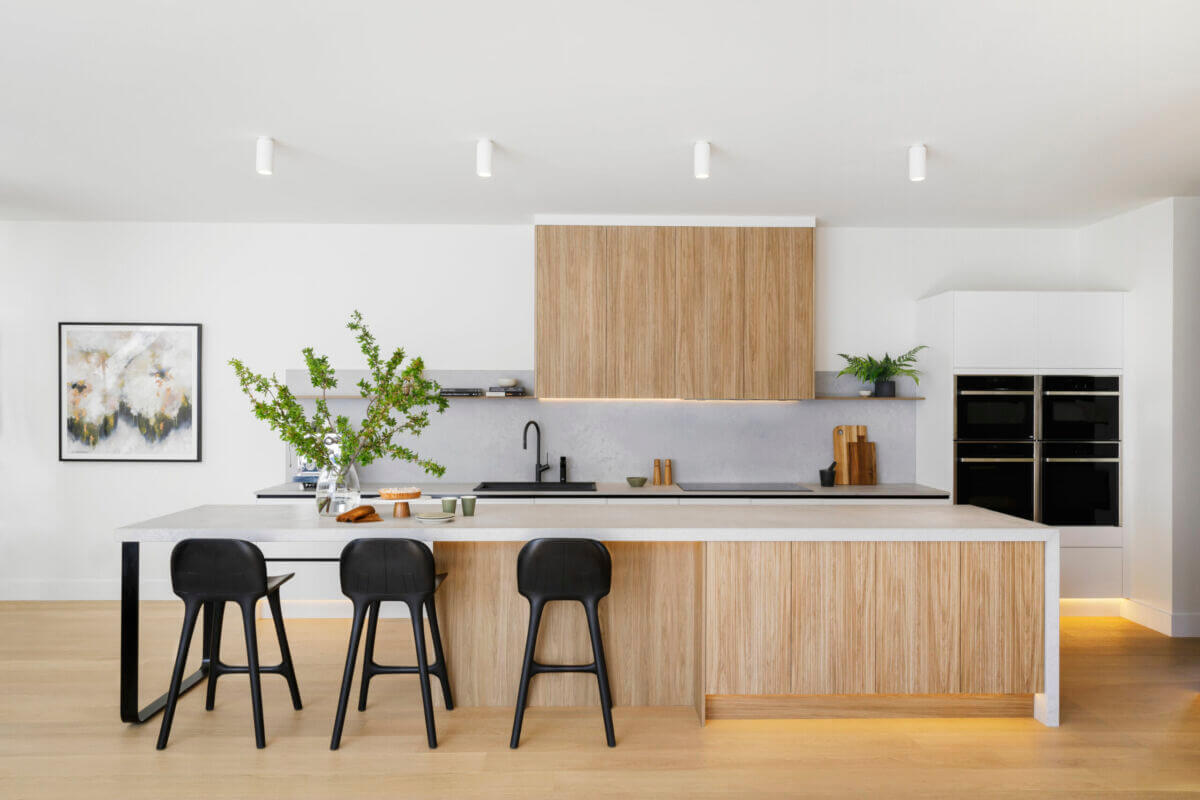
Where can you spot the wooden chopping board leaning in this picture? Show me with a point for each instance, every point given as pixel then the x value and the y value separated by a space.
pixel 855 456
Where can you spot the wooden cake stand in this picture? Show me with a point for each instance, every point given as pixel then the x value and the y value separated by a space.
pixel 400 507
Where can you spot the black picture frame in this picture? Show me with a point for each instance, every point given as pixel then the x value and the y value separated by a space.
pixel 198 405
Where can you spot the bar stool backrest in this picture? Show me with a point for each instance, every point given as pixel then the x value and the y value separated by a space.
pixel 564 569
pixel 216 568
pixel 386 569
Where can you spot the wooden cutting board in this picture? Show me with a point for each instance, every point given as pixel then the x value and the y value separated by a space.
pixel 843 435
pixel 861 470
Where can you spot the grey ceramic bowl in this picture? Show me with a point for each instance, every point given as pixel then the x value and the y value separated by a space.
pixel 636 481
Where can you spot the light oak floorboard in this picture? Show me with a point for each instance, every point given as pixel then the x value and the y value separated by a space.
pixel 1130 728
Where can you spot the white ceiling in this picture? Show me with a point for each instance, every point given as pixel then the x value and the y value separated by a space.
pixel 1035 113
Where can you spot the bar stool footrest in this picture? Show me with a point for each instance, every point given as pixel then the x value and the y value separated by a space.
pixel 372 668
pixel 235 669
pixel 536 669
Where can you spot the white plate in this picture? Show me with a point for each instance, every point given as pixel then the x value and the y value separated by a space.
pixel 435 519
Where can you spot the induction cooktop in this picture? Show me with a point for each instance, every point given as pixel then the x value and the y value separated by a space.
pixel 742 487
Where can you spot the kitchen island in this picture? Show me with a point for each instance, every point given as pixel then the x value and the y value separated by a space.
pixel 739 611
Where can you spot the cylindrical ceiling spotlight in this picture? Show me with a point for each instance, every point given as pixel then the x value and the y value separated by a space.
pixel 483 158
pixel 701 159
pixel 264 156
pixel 916 162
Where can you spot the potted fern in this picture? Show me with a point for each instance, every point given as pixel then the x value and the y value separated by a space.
pixel 882 372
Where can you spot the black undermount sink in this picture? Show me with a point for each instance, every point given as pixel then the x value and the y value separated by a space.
pixel 533 486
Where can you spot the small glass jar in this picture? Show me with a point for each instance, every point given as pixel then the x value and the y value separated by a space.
pixel 337 491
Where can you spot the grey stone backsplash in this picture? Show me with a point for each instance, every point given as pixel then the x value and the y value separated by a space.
pixel 606 440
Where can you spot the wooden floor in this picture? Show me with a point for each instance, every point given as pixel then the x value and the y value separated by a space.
pixel 1130 727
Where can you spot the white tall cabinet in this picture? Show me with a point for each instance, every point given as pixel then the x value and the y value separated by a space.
pixel 1031 332
pixel 1026 333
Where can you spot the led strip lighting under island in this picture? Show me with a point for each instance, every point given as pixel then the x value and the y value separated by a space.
pixel 739 611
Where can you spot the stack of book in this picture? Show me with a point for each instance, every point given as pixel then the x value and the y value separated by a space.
pixel 448 391
pixel 506 391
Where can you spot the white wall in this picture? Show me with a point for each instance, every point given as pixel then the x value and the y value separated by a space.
pixel 1134 251
pixel 262 292
pixel 1185 454
pixel 868 279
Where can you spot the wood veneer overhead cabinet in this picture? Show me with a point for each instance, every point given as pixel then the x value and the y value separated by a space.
pixel 641 311
pixel 778 349
pixel 572 310
pixel 711 313
pixel 702 313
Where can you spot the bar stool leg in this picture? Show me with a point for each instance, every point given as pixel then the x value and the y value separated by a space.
pixel 535 620
pixel 260 738
pixel 190 612
pixel 593 618
pixel 214 653
pixel 206 630
pixel 360 611
pixel 368 657
pixel 289 669
pixel 414 609
pixel 440 657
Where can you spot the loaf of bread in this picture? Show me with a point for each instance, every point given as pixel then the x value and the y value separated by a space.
pixel 370 518
pixel 356 513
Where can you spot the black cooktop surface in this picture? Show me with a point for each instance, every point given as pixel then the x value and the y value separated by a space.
pixel 742 487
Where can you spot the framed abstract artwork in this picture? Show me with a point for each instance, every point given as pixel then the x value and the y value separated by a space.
pixel 128 391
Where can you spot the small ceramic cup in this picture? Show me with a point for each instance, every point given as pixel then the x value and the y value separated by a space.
pixel 448 504
pixel 468 501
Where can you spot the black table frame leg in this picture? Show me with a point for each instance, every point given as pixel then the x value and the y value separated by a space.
pixel 130 578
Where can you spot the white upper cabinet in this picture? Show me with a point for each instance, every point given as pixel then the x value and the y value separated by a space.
pixel 1037 331
pixel 1080 330
pixel 994 330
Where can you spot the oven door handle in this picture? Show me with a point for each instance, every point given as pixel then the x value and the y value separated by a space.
pixel 996 460
pixel 995 393
pixel 1082 394
pixel 1082 460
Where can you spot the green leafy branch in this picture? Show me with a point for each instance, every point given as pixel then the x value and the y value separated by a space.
pixel 869 369
pixel 399 398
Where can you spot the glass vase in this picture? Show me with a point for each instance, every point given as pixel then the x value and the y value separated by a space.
pixel 337 491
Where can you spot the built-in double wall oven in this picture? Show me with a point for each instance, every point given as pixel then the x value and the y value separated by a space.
pixel 1045 448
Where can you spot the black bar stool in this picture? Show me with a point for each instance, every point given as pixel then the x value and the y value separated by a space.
pixel 564 569
pixel 375 570
pixel 208 573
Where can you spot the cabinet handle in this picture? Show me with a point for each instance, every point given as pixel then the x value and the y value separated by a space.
pixel 997 460
pixel 1082 394
pixel 1083 460
pixel 1005 392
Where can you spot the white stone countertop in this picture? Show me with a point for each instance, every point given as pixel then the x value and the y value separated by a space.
pixel 882 491
pixel 649 523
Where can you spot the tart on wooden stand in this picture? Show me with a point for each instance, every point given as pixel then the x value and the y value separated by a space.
pixel 401 496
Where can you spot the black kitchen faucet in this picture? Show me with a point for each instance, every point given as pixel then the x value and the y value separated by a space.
pixel 539 467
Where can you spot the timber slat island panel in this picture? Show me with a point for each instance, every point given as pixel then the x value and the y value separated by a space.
pixel 747 610
pixel 872 618
pixel 648 623
pixel 917 633
pixel 772 623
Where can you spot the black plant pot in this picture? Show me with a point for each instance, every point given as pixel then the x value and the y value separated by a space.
pixel 885 388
